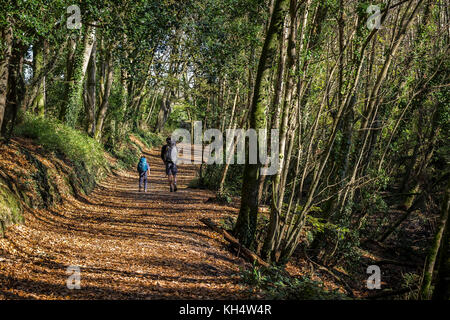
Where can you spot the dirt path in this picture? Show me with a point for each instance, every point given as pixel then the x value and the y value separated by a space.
pixel 128 245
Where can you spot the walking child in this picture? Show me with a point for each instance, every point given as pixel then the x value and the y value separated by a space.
pixel 143 169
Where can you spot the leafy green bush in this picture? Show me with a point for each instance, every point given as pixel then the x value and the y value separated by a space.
pixel 227 223
pixel 233 182
pixel 224 197
pixel 334 240
pixel 274 283
pixel 10 207
pixel 150 139
pixel 86 154
pixel 195 183
pixel 55 136
pixel 127 157
pixel 127 153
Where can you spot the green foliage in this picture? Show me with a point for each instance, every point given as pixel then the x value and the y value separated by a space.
pixel 410 281
pixel 322 225
pixel 182 113
pixel 150 139
pixel 223 197
pixel 57 137
pixel 35 19
pixel 72 108
pixel 86 155
pixel 10 206
pixel 211 176
pixel 372 204
pixel 195 183
pixel 274 283
pixel 213 173
pixel 334 242
pixel 127 153
pixel 127 156
pixel 228 222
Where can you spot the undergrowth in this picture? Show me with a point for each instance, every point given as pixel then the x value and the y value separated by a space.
pixel 128 152
pixel 210 179
pixel 53 135
pixel 275 283
pixel 150 139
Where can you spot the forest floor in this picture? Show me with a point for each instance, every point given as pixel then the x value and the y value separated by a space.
pixel 133 245
pixel 127 244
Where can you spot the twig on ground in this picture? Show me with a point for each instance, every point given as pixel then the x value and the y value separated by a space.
pixel 392 293
pixel 344 284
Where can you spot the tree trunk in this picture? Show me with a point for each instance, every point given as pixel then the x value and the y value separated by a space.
pixel 16 87
pixel 164 110
pixel 278 185
pixel 75 89
pixel 440 242
pixel 245 227
pixel 39 59
pixel 68 76
pixel 90 91
pixel 230 126
pixel 7 36
pixel 109 76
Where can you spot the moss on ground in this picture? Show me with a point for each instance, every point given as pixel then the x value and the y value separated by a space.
pixel 10 206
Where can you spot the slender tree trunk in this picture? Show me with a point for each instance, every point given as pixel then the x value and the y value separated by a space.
pixel 39 61
pixel 372 101
pixel 36 91
pixel 68 76
pixel 438 242
pixel 90 92
pixel 109 76
pixel 442 287
pixel 7 36
pixel 231 126
pixel 420 166
pixel 243 121
pixel 152 106
pixel 164 109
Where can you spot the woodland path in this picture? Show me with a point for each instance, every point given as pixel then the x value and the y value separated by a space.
pixel 128 245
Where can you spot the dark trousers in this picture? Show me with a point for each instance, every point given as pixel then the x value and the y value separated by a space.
pixel 143 178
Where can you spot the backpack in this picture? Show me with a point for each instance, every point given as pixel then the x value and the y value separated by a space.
pixel 171 153
pixel 143 165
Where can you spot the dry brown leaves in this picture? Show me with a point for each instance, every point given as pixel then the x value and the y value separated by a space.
pixel 128 245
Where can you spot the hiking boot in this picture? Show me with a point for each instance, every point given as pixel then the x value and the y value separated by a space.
pixel 175 188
